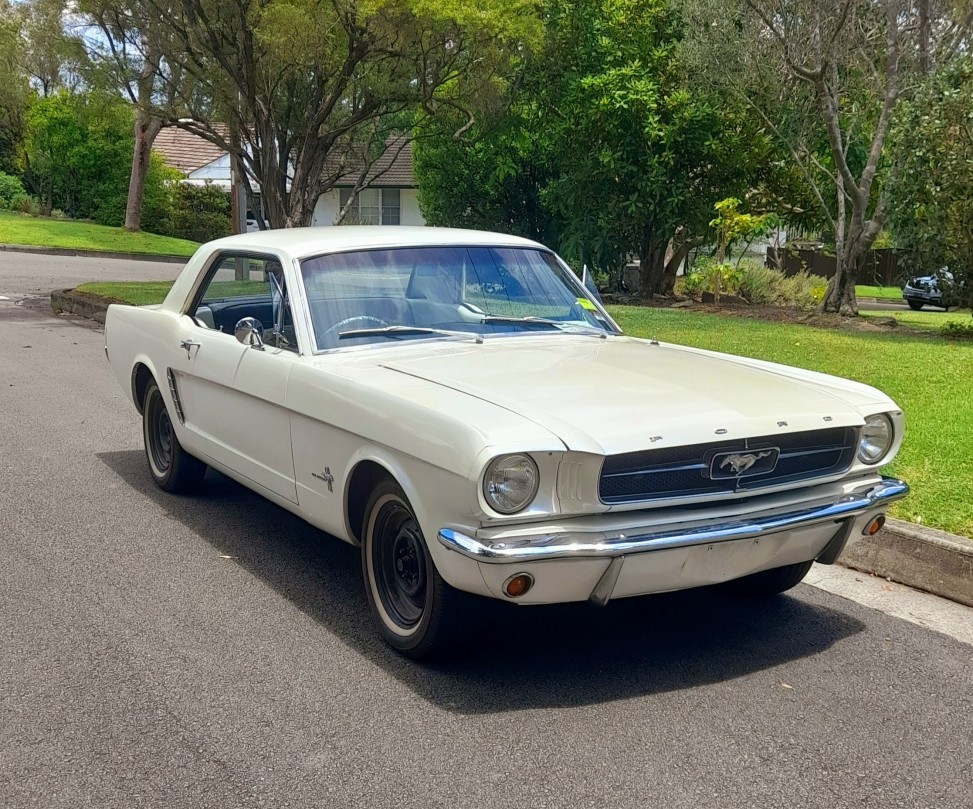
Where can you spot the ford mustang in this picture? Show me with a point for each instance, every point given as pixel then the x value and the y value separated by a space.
pixel 462 407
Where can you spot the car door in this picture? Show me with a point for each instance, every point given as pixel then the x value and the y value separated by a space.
pixel 233 393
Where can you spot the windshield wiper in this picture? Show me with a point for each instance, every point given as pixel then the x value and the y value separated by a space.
pixel 394 331
pixel 543 322
pixel 531 321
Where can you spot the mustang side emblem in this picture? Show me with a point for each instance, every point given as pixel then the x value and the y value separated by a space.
pixel 741 463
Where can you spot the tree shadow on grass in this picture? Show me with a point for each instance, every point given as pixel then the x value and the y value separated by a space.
pixel 512 658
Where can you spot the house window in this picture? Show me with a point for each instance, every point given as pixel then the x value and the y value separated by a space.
pixel 373 206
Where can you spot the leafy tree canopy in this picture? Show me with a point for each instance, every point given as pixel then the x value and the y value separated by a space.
pixel 605 144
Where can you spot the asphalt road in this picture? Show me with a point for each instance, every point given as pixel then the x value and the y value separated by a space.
pixel 159 651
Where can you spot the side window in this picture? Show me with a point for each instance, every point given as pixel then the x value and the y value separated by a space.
pixel 240 286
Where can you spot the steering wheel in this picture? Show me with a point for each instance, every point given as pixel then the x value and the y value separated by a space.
pixel 354 319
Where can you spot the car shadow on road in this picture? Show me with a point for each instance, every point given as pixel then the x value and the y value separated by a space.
pixel 512 658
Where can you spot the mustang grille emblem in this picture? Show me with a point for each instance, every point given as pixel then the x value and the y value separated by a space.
pixel 741 463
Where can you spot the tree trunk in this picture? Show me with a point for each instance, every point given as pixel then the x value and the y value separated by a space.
pixel 840 296
pixel 651 267
pixel 146 128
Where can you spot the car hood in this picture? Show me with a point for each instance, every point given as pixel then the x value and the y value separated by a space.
pixel 622 394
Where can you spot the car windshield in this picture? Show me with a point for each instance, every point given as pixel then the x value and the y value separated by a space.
pixel 408 293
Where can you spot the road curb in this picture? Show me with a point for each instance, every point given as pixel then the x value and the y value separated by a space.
pixel 910 554
pixel 77 303
pixel 917 556
pixel 67 251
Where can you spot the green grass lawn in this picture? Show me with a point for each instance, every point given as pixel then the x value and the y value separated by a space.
pixel 887 293
pixel 929 378
pixel 18 228
pixel 931 320
pixel 137 293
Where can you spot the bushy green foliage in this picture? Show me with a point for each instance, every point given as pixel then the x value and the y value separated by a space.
pixel 803 290
pixel 10 187
pixel 710 275
pixel 200 213
pixel 756 283
pixel 78 158
pixel 759 284
pixel 25 203
pixel 78 153
pixel 603 150
pixel 957 331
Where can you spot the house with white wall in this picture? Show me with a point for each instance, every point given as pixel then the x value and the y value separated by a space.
pixel 389 196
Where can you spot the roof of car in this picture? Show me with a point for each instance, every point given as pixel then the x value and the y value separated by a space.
pixel 302 242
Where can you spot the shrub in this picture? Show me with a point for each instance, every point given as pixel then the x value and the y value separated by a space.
pixel 25 203
pixel 200 213
pixel 954 330
pixel 707 275
pixel 760 285
pixel 802 290
pixel 10 187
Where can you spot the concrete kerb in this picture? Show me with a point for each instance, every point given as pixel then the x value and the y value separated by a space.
pixel 903 552
pixel 67 300
pixel 917 556
pixel 67 251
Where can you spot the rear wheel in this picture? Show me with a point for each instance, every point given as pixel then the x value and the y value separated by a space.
pixel 770 582
pixel 413 608
pixel 172 468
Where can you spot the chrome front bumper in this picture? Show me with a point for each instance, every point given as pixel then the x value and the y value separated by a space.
pixel 578 565
pixel 585 545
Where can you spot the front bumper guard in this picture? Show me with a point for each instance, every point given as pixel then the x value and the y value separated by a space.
pixel 576 545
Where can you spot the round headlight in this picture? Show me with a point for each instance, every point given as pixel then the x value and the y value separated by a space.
pixel 876 439
pixel 510 483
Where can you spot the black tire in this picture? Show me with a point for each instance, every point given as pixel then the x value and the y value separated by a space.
pixel 415 611
pixel 917 305
pixel 770 582
pixel 172 468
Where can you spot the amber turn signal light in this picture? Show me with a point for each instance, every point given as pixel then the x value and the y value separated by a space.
pixel 874 526
pixel 518 585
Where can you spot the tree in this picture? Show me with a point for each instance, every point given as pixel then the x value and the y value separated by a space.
pixel 54 58
pixel 14 89
pixel 491 177
pixel 303 87
pixel 75 154
pixel 826 77
pixel 128 44
pixel 929 188
pixel 606 143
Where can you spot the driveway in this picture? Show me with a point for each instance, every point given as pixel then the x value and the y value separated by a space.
pixel 25 275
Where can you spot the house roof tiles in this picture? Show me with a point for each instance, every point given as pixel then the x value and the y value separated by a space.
pixel 185 151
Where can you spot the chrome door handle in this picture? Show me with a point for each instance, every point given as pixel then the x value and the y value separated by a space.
pixel 188 345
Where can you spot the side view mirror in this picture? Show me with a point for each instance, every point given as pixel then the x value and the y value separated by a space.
pixel 250 332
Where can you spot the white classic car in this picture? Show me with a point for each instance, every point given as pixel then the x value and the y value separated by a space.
pixel 464 409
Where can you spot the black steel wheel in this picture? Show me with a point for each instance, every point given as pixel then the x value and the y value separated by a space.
pixel 413 608
pixel 770 582
pixel 171 467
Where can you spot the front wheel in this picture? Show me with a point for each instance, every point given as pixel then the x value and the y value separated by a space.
pixel 770 582
pixel 917 305
pixel 413 608
pixel 172 468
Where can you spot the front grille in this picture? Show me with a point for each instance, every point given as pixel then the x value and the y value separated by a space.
pixel 685 471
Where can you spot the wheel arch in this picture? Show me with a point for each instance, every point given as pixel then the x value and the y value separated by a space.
pixel 367 468
pixel 142 374
pixel 364 477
